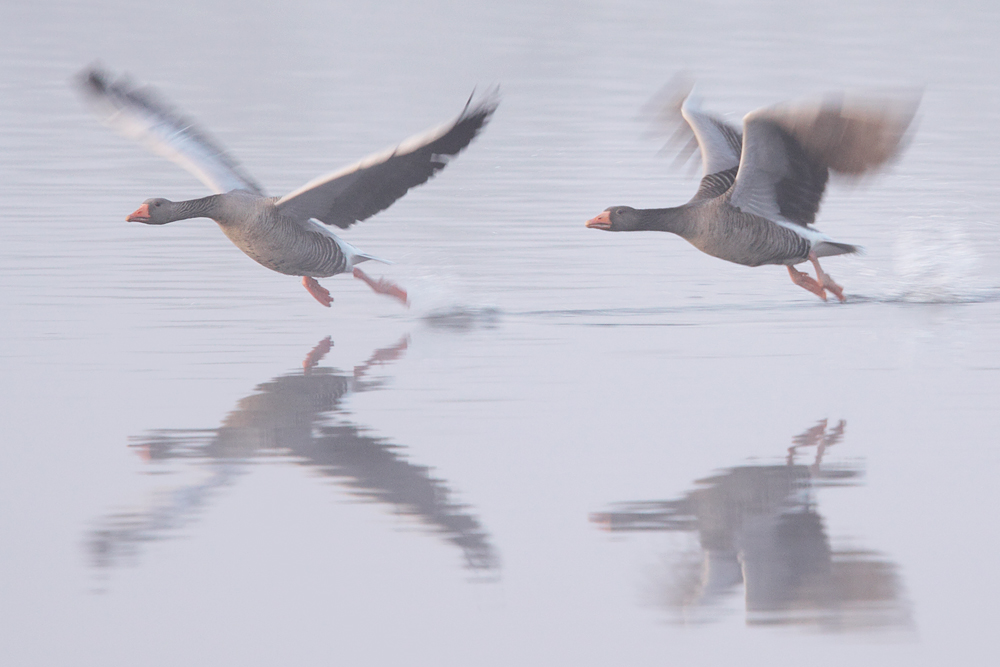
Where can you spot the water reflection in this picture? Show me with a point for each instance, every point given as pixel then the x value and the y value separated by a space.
pixel 296 418
pixel 758 526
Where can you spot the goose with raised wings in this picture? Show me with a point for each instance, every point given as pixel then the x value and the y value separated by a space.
pixel 761 187
pixel 282 233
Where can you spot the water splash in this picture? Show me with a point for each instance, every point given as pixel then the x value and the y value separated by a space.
pixel 935 261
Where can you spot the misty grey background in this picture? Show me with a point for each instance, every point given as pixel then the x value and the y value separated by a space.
pixel 544 372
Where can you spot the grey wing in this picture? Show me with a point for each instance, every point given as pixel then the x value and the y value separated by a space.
pixel 789 150
pixel 373 184
pixel 718 142
pixel 139 114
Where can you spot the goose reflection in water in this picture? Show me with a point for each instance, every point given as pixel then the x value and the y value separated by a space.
pixel 758 526
pixel 292 417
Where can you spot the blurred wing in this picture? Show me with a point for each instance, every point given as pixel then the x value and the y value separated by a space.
pixel 789 150
pixel 373 184
pixel 718 142
pixel 139 115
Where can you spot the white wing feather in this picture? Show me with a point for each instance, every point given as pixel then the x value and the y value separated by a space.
pixel 140 115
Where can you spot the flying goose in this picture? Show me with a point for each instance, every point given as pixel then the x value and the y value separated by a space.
pixel 761 188
pixel 282 233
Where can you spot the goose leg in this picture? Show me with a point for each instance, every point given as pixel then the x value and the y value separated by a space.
pixel 825 280
pixel 383 286
pixel 319 292
pixel 805 281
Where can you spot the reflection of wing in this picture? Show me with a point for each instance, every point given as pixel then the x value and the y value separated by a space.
pixel 373 184
pixel 139 114
pixel 757 526
pixel 374 470
pixel 285 417
pixel 118 537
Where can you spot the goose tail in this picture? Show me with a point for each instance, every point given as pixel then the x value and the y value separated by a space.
pixel 364 257
pixel 830 248
pixel 355 256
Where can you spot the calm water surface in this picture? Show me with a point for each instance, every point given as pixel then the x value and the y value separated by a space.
pixel 575 447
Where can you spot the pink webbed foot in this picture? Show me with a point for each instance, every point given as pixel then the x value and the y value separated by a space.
pixel 319 292
pixel 383 286
pixel 805 281
pixel 837 290
pixel 826 280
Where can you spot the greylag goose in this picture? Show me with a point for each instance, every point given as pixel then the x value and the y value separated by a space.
pixel 761 187
pixel 281 233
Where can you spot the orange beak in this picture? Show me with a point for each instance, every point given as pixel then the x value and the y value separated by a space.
pixel 140 214
pixel 602 221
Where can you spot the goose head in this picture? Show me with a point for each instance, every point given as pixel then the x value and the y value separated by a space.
pixel 616 219
pixel 155 211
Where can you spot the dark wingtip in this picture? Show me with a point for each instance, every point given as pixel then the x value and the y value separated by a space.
pixel 468 102
pixel 472 120
pixel 92 79
pixel 485 107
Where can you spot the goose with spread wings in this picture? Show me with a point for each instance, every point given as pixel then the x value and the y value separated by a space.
pixel 761 188
pixel 282 233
